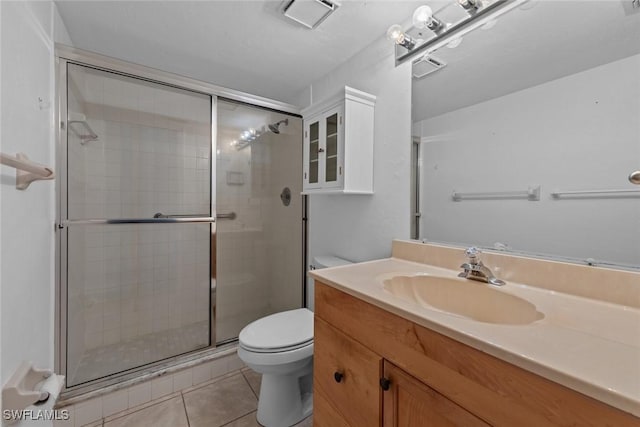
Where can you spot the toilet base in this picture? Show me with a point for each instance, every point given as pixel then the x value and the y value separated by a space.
pixel 284 400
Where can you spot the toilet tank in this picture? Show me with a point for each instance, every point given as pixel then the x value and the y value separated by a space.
pixel 322 261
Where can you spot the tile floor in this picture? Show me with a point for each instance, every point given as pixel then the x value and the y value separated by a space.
pixel 229 401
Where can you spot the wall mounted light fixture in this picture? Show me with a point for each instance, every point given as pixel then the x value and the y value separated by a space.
pixel 471 6
pixel 470 15
pixel 423 18
pixel 397 35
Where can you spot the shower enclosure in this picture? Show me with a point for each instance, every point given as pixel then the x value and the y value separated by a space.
pixel 172 231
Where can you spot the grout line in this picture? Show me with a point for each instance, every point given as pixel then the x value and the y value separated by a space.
pixel 184 405
pixel 140 407
pixel 209 382
pixel 255 411
pixel 249 384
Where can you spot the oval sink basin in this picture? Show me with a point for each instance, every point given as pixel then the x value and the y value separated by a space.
pixel 474 300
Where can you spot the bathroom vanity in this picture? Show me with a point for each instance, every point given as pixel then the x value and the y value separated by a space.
pixel 387 358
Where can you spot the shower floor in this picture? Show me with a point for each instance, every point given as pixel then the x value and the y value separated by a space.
pixel 114 358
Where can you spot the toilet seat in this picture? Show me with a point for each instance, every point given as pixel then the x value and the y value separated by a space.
pixel 280 332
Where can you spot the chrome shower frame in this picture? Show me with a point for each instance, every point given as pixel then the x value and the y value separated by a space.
pixel 65 55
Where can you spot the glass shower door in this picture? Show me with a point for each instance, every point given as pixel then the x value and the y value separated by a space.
pixel 137 223
pixel 259 211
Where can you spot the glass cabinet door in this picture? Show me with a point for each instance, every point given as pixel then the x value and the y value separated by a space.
pixel 331 159
pixel 314 149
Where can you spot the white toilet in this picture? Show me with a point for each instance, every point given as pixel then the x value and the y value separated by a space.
pixel 280 347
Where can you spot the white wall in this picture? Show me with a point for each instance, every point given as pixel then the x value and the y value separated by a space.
pixel 28 31
pixel 579 132
pixel 361 227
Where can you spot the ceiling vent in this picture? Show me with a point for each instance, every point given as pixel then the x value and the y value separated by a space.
pixel 310 13
pixel 426 65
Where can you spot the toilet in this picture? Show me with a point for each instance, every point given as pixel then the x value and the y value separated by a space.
pixel 280 347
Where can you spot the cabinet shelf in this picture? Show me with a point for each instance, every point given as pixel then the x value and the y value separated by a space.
pixel 331 135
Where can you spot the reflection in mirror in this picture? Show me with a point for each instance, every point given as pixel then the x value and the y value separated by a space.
pixel 526 139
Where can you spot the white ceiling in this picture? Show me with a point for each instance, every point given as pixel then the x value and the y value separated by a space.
pixel 542 41
pixel 244 45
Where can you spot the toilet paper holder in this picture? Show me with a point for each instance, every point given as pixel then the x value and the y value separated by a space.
pixel 20 391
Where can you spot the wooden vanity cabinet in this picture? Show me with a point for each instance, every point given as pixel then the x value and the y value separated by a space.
pixel 345 376
pixel 374 368
pixel 410 402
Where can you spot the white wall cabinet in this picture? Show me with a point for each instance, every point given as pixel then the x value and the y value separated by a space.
pixel 338 144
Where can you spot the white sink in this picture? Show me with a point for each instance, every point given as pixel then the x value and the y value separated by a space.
pixel 472 299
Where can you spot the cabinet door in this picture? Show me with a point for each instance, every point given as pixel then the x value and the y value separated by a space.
pixel 332 150
pixel 312 154
pixel 411 403
pixel 345 379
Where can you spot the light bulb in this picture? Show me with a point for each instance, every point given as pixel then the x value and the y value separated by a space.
pixel 422 16
pixel 395 33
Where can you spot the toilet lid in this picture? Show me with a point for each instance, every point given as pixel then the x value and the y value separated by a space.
pixel 277 332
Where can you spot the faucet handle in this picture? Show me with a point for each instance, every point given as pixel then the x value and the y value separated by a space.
pixel 472 253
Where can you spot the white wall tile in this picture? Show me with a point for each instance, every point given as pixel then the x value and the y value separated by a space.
pixel 201 373
pixel 218 367
pixel 161 386
pixel 88 411
pixel 70 422
pixel 115 402
pixel 234 363
pixel 182 380
pixel 139 394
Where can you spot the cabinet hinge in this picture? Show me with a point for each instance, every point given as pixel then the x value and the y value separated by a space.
pixel 339 170
pixel 340 119
pixel 305 175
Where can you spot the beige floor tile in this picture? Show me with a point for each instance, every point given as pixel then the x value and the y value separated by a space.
pixel 220 403
pixel 169 413
pixel 254 379
pixel 248 420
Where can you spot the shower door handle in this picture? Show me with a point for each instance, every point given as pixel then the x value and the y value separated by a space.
pixel 230 215
pixel 161 215
pixel 163 220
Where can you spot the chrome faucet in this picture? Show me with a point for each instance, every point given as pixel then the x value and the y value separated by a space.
pixel 474 269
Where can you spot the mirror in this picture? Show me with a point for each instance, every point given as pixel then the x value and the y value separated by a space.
pixel 525 139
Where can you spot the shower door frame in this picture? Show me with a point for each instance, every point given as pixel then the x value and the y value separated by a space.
pixel 65 55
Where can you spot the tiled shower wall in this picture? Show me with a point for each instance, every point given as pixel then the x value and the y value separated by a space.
pixel 137 293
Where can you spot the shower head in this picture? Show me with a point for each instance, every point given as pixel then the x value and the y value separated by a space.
pixel 275 127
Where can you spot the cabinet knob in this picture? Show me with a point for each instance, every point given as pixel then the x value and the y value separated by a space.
pixel 338 376
pixel 385 383
pixel 320 150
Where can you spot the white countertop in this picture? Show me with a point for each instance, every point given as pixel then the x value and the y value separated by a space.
pixel 590 346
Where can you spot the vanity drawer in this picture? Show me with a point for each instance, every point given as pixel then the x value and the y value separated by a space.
pixel 346 374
